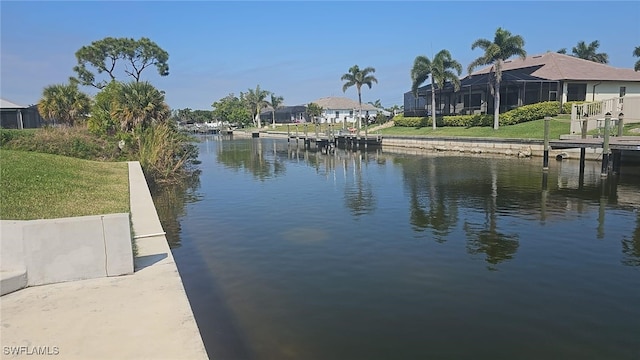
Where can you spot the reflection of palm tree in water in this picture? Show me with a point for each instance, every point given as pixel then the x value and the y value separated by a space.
pixel 442 214
pixel 486 238
pixel 631 246
pixel 358 196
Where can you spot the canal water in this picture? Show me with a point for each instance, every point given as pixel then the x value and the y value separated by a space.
pixel 287 253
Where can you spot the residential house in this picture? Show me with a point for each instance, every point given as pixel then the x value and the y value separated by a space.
pixel 545 77
pixel 14 116
pixel 340 110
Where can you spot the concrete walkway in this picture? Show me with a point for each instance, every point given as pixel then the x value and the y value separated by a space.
pixel 141 316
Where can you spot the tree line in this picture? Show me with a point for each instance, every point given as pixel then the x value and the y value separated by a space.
pixel 133 113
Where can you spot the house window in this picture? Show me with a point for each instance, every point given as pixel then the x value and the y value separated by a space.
pixel 623 91
pixel 351 113
pixel 337 114
pixel 553 95
pixel 576 92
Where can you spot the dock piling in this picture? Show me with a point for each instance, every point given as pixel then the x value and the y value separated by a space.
pixel 605 146
pixel 545 159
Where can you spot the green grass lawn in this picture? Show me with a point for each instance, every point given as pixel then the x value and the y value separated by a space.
pixel 43 186
pixel 527 130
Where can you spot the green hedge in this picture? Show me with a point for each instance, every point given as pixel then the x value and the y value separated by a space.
pixel 530 112
pixel 566 107
pixel 519 115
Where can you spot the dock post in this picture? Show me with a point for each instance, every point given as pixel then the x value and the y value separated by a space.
pixel 605 146
pixel 288 133
pixel 545 159
pixel 620 124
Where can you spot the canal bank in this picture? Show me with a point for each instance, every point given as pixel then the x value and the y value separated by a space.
pixel 472 145
pixel 145 315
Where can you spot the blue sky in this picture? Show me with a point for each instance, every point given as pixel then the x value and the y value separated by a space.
pixel 296 49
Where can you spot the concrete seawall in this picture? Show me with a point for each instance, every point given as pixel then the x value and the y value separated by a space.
pixel 497 146
pixel 145 315
pixel 507 147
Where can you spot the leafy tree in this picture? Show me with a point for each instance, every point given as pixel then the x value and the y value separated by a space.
pixel 202 116
pixel 503 46
pixel 275 103
pixel 441 71
pixel 314 110
pixel 139 104
pixel 636 53
pixel 184 115
pixel 103 55
pixel 589 52
pixel 562 51
pixel 359 77
pixel 256 101
pixel 232 109
pixel 64 103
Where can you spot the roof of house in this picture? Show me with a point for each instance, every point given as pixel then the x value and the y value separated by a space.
pixel 339 103
pixel 6 104
pixel 555 66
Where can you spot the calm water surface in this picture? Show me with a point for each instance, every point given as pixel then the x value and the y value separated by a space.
pixel 294 254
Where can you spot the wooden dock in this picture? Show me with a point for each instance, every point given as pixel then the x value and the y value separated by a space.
pixel 612 149
pixel 627 143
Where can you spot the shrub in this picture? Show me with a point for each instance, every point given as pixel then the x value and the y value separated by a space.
pixel 164 153
pixel 7 135
pixel 566 107
pixel 530 112
pixel 413 121
pixel 468 120
pixel 68 141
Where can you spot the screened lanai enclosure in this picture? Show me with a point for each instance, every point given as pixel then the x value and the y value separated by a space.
pixel 285 115
pixel 475 96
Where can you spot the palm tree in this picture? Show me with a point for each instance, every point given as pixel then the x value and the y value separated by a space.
pixel 504 46
pixel 636 53
pixel 376 103
pixel 358 77
pixel 64 103
pixel 275 103
pixel 139 104
pixel 588 52
pixel 256 100
pixel 314 110
pixel 440 70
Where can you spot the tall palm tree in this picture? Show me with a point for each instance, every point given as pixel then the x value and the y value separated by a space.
pixel 275 103
pixel 636 53
pixel 314 110
pixel 504 46
pixel 589 52
pixel 359 77
pixel 256 99
pixel 376 103
pixel 441 71
pixel 139 104
pixel 64 103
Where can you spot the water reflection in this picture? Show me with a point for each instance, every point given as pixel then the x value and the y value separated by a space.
pixel 170 200
pixel 631 245
pixel 358 192
pixel 359 254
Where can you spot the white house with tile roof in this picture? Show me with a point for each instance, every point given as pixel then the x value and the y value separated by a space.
pixel 339 110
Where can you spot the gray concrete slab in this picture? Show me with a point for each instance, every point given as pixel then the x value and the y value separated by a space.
pixel 145 315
